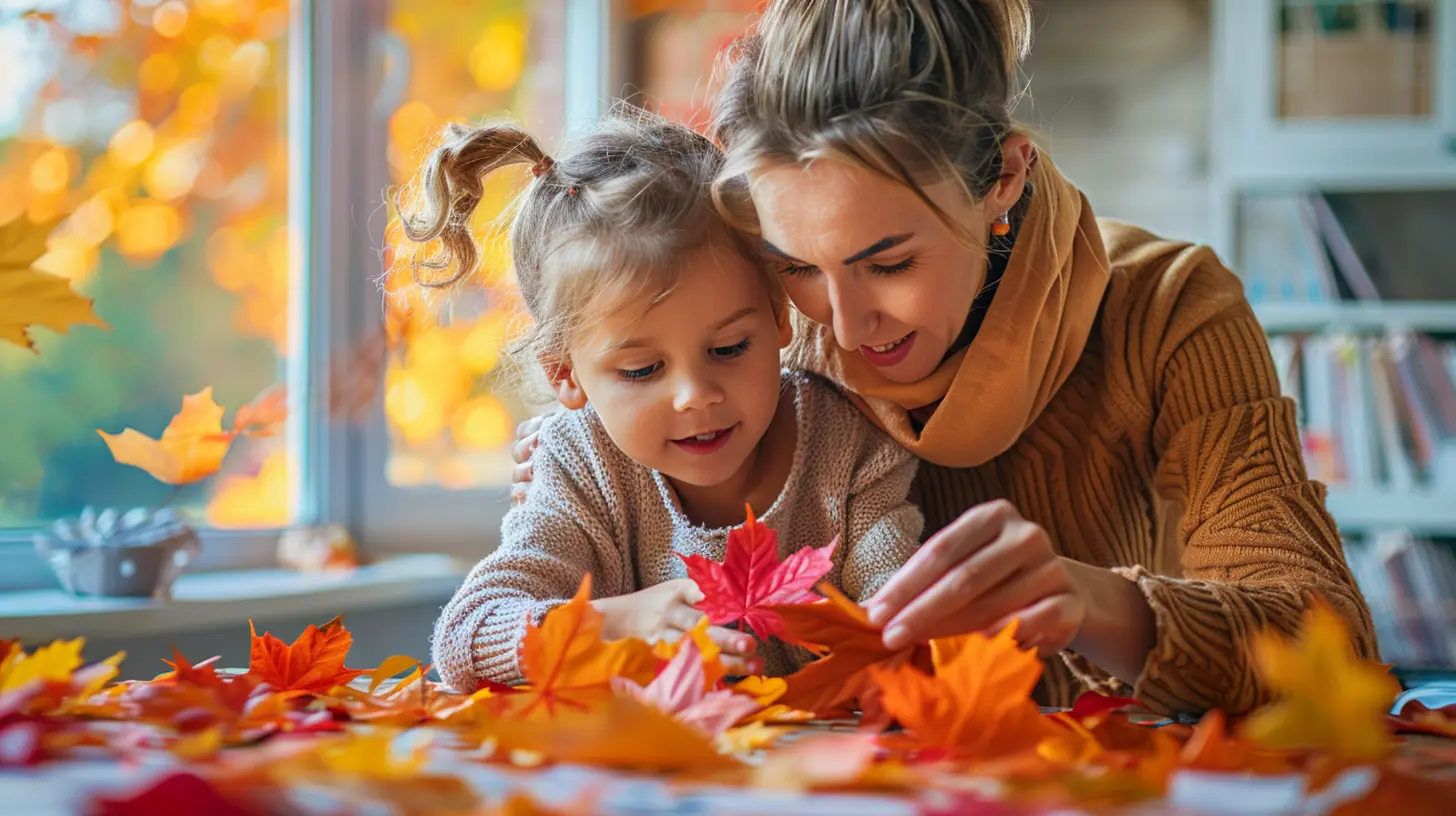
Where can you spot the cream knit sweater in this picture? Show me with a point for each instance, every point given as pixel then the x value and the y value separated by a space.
pixel 592 509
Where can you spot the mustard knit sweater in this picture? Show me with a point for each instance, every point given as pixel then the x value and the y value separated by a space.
pixel 1160 446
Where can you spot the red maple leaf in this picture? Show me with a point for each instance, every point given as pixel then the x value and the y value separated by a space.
pixel 177 792
pixel 752 578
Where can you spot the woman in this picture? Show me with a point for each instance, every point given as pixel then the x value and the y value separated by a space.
pixel 1106 452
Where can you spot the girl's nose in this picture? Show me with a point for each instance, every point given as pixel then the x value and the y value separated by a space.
pixel 695 392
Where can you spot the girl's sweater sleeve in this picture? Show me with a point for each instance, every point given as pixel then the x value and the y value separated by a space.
pixel 883 524
pixel 564 529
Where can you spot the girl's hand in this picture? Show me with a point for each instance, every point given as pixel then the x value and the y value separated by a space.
pixel 987 567
pixel 521 451
pixel 665 612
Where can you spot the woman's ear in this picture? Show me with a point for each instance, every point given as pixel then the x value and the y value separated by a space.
pixel 786 326
pixel 563 380
pixel 1017 155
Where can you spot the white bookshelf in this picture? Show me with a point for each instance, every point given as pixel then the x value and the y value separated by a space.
pixel 1260 147
pixel 1369 511
pixel 1357 317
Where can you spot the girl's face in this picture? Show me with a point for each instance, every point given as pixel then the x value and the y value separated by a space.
pixel 867 258
pixel 689 386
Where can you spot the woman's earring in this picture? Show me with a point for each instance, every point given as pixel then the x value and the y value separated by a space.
pixel 1002 225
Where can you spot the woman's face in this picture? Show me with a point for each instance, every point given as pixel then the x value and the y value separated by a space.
pixel 866 257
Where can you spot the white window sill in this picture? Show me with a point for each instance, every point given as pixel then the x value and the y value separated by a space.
pixel 209 600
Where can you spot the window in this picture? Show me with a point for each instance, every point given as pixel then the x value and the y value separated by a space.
pixel 157 130
pixel 219 166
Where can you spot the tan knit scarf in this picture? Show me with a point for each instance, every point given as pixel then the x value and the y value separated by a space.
pixel 1029 342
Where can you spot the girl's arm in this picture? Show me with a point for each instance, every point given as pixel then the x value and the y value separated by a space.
pixel 561 531
pixel 883 525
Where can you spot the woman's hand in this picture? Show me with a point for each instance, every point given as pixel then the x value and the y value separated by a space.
pixel 521 451
pixel 665 612
pixel 990 566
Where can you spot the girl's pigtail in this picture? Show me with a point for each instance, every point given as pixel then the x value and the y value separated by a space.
pixel 450 188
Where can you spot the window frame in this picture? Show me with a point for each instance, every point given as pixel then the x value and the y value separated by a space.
pixel 338 107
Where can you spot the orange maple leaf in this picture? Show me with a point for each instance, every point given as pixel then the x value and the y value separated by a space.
pixel 313 663
pixel 840 627
pixel 567 664
pixel 616 732
pixel 30 297
pixel 1300 673
pixel 1212 748
pixel 978 703
pixel 191 447
pixel 262 416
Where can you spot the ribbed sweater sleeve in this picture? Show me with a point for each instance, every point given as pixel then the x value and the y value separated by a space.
pixel 563 530
pixel 1256 544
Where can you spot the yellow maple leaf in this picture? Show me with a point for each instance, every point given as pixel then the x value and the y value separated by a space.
pixel 191 447
pixel 54 663
pixel 1327 698
pixel 29 297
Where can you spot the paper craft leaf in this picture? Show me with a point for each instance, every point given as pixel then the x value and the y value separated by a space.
pixel 191 447
pixel 312 663
pixel 567 665
pixel 30 297
pixel 840 627
pixel 978 703
pixel 1301 673
pixel 390 667
pixel 751 578
pixel 678 690
pixel 713 670
pixel 1416 718
pixel 262 416
pixel 1212 748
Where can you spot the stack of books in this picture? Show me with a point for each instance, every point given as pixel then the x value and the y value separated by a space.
pixel 1410 584
pixel 1374 412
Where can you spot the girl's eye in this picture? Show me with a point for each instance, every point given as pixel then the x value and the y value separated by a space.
pixel 894 268
pixel 729 352
pixel 638 373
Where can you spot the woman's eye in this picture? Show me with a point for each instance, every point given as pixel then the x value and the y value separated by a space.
pixel 729 352
pixel 639 373
pixel 796 270
pixel 894 268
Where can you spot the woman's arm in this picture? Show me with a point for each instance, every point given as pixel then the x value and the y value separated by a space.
pixel 1257 544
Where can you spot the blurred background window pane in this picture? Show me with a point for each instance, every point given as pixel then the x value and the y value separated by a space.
pixel 451 400
pixel 665 51
pixel 156 131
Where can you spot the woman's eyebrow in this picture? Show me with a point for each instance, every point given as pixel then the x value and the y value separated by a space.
pixel 878 247
pixel 779 252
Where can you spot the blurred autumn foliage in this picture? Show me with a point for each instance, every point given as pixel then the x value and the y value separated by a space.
pixel 155 132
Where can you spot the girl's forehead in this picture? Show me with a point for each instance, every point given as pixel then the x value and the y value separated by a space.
pixel 710 286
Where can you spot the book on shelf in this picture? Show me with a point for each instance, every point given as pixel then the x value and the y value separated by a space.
pixel 1374 412
pixel 1409 584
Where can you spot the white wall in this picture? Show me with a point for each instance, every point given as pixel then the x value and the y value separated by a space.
pixel 1120 89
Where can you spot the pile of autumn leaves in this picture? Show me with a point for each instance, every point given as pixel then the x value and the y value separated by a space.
pixel 962 706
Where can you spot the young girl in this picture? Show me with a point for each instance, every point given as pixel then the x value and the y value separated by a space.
pixel 660 330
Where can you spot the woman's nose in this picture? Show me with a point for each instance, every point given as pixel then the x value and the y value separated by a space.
pixel 853 320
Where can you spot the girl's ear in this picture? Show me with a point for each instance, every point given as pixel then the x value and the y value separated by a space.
pixel 786 326
pixel 563 379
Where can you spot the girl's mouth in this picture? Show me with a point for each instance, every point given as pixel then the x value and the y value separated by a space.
pixel 890 353
pixel 706 443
